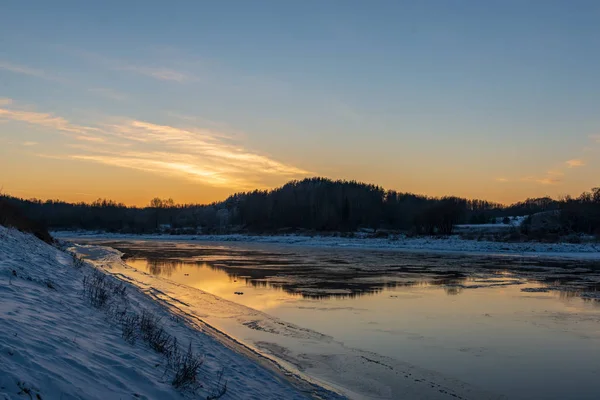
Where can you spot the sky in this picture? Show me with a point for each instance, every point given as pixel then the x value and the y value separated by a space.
pixel 197 100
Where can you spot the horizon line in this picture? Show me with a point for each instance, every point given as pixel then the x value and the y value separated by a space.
pixel 272 189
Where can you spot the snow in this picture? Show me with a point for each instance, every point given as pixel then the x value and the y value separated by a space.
pixel 498 225
pixel 54 345
pixel 448 244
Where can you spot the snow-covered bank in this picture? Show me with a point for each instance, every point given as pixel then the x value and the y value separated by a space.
pixel 54 345
pixel 589 251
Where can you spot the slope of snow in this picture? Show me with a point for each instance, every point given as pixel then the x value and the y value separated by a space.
pixel 589 251
pixel 54 345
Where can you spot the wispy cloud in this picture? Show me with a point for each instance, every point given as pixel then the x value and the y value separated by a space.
pixel 165 74
pixel 503 180
pixel 198 154
pixel 48 120
pixel 554 176
pixel 151 71
pixel 21 69
pixel 575 163
pixel 25 70
pixel 225 130
pixel 96 139
pixel 29 143
pixel 549 179
pixel 159 163
pixel 195 154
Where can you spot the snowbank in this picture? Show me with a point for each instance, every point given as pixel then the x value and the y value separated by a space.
pixel 590 251
pixel 497 226
pixel 54 345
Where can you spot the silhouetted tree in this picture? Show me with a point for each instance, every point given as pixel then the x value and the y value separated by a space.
pixel 314 204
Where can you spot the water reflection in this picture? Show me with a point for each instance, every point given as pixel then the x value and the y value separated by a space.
pixel 453 290
pixel 316 286
pixel 320 274
pixel 162 267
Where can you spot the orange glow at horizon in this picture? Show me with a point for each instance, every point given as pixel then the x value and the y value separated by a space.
pixel 132 161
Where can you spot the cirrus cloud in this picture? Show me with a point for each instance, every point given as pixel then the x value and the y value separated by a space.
pixel 195 154
pixel 48 120
pixel 575 163
pixel 26 70
pixel 192 153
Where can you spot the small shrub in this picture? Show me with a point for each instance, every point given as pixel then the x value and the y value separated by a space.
pixel 148 324
pixel 29 391
pixel 95 289
pixel 161 341
pixel 174 355
pixel 186 371
pixel 117 312
pixel 100 290
pixel 220 387
pixel 130 324
pixel 154 334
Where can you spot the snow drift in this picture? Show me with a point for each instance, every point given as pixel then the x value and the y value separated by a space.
pixel 55 345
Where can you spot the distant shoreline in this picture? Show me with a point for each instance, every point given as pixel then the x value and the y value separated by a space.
pixel 448 244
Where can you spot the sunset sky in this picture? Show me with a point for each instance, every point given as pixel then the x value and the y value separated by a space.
pixel 196 100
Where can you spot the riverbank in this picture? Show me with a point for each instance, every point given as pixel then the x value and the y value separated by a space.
pixel 55 344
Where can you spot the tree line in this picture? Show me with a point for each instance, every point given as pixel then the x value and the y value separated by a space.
pixel 313 204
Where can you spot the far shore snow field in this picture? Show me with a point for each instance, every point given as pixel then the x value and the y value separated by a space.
pixel 448 244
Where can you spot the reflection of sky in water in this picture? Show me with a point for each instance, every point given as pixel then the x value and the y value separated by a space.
pixel 266 290
pixel 216 281
pixel 466 318
pixel 218 274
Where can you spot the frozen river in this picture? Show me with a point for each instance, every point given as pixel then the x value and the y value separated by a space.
pixel 388 324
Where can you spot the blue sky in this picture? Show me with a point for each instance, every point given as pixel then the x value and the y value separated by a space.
pixel 196 100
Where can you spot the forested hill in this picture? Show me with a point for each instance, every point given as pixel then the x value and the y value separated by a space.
pixel 315 204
